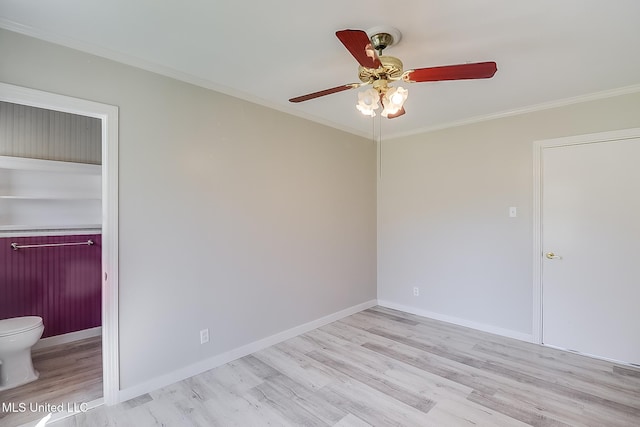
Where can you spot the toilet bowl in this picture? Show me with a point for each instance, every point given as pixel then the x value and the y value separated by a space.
pixel 17 336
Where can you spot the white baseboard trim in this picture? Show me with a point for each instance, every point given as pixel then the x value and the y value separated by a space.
pixel 67 338
pixel 458 321
pixel 229 356
pixel 593 356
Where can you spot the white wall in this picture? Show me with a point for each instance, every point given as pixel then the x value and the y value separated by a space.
pixel 233 217
pixel 443 213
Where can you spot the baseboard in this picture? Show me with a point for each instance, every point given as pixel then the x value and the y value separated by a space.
pixel 458 321
pixel 594 356
pixel 67 338
pixel 229 356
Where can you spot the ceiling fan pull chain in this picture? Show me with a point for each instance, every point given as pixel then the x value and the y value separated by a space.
pixel 379 147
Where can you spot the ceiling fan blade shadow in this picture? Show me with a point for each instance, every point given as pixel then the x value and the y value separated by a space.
pixel 357 42
pixel 324 92
pixel 478 70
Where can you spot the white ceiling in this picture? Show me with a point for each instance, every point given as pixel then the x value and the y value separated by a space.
pixel 267 52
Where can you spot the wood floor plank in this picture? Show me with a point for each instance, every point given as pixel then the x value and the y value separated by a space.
pixel 439 366
pixel 464 412
pixel 351 420
pixel 301 393
pixel 382 367
pixel 371 405
pixel 633 373
pixel 531 416
pixel 517 375
pixel 281 402
pixel 364 365
pixel 376 382
pixel 69 373
pixel 562 408
pixel 559 411
pixel 548 391
pixel 299 371
pixel 428 384
pixel 581 378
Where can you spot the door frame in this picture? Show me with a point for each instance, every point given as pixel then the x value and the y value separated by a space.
pixel 538 256
pixel 108 114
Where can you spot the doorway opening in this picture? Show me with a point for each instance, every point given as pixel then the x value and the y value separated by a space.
pixel 108 117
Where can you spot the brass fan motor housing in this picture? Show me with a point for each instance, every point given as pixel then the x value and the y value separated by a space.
pixel 381 41
pixel 390 69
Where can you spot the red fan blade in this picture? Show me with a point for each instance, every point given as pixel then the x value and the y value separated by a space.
pixel 479 70
pixel 398 114
pixel 357 42
pixel 324 92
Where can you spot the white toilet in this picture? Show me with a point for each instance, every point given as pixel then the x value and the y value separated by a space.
pixel 17 336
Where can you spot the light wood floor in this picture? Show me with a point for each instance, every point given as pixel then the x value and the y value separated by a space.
pixel 69 373
pixel 382 367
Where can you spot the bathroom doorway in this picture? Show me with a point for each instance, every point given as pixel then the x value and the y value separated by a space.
pixel 108 117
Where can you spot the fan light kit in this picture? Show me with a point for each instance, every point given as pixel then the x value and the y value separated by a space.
pixel 379 70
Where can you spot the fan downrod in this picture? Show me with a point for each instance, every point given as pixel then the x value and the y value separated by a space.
pixel 380 41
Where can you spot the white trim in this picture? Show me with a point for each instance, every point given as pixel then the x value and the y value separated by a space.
pixel 538 147
pixel 536 325
pixel 592 356
pixel 110 270
pixel 109 116
pixel 626 90
pixel 67 338
pixel 458 321
pixel 24 163
pixel 33 231
pixel 221 359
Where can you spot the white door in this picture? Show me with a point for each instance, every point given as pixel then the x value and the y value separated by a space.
pixel 591 248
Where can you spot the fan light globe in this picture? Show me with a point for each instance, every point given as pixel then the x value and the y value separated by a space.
pixel 398 97
pixel 393 100
pixel 368 101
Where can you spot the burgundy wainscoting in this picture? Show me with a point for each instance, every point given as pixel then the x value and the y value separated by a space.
pixel 60 284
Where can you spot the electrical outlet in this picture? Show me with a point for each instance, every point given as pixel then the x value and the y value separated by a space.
pixel 416 291
pixel 204 336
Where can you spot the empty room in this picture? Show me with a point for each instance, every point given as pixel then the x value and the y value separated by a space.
pixel 420 213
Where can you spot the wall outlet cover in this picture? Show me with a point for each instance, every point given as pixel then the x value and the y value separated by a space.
pixel 204 336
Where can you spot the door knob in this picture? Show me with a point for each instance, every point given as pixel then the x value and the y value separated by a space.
pixel 551 255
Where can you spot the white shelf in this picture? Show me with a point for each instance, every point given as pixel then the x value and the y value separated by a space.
pixel 44 194
pixel 26 164
pixel 26 227
pixel 70 197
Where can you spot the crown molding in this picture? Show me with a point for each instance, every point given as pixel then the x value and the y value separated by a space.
pixel 626 90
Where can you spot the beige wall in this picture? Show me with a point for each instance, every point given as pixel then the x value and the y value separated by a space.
pixel 443 213
pixel 233 217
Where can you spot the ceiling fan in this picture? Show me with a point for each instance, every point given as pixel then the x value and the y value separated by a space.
pixel 379 70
